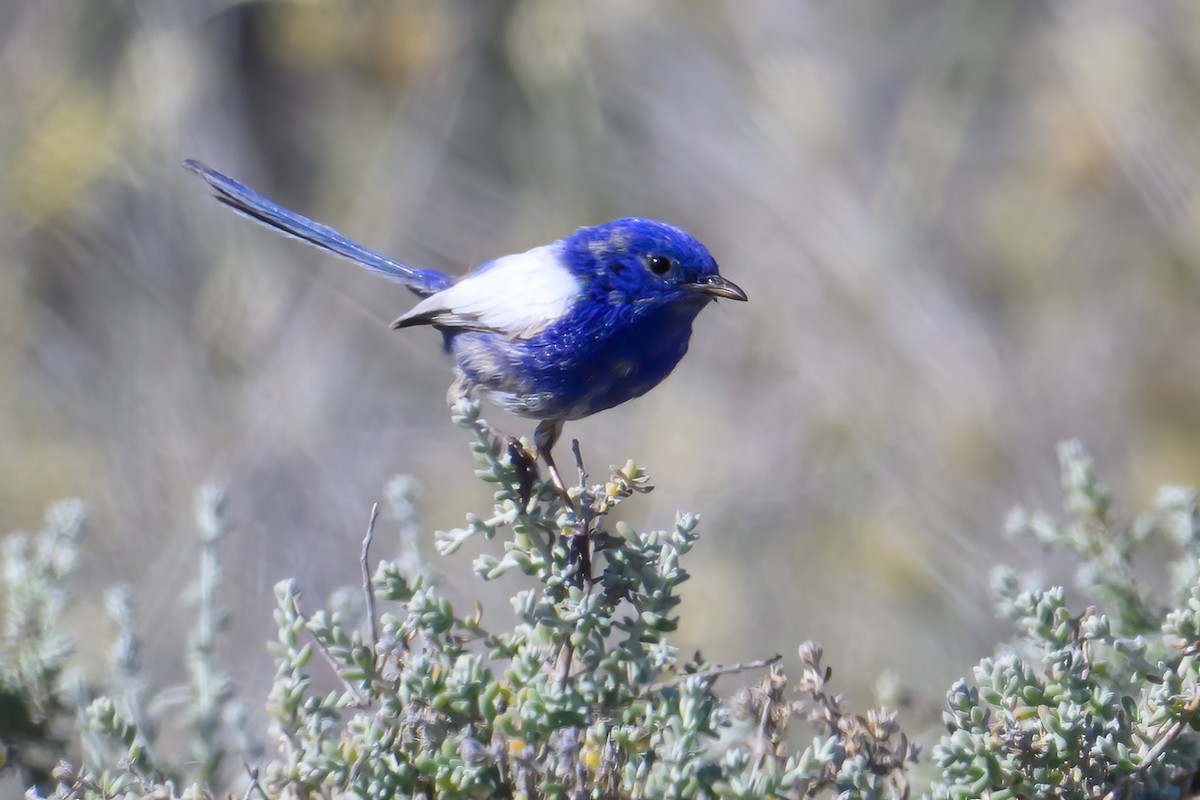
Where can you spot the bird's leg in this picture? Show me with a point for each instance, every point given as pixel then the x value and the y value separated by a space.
pixel 517 454
pixel 547 433
pixel 579 544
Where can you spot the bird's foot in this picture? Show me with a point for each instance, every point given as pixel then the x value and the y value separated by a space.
pixel 577 535
pixel 560 487
pixel 525 464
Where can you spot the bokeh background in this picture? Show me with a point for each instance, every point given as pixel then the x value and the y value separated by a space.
pixel 968 230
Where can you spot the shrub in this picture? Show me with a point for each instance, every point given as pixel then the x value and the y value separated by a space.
pixel 584 695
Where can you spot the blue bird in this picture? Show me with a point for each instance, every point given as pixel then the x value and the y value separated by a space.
pixel 556 333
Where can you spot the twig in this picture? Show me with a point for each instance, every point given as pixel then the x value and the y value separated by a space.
pixel 254 784
pixel 359 700
pixel 714 672
pixel 579 464
pixel 368 587
pixel 565 654
pixel 581 540
pixel 1172 733
pixel 764 733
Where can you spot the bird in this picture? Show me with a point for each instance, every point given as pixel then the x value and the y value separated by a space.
pixel 556 333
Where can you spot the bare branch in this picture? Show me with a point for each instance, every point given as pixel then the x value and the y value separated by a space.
pixel 714 672
pixel 368 586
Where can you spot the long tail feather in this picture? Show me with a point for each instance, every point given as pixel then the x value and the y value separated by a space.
pixel 244 200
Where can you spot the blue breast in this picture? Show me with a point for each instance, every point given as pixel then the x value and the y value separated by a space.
pixel 598 356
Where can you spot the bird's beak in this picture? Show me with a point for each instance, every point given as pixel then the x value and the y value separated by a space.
pixel 716 286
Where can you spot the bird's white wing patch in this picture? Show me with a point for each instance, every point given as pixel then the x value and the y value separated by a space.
pixel 518 295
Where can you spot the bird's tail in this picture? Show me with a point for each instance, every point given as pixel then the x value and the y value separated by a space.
pixel 244 200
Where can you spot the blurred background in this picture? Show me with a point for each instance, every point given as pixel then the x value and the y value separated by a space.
pixel 967 229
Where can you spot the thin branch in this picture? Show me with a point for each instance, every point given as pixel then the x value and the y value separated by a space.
pixel 563 671
pixel 714 672
pixel 368 587
pixel 763 737
pixel 581 540
pixel 359 700
pixel 252 772
pixel 579 463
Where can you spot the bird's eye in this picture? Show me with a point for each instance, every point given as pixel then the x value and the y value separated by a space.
pixel 659 265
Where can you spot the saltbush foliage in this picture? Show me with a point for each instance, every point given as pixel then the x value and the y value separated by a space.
pixel 1093 703
pixel 391 691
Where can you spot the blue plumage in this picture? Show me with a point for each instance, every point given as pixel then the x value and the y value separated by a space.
pixel 557 333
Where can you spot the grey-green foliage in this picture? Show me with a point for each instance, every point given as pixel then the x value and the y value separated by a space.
pixel 35 649
pixel 1091 703
pixel 583 696
pixel 113 723
pixel 580 694
pixel 577 691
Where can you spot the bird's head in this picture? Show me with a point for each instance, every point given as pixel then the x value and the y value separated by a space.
pixel 642 260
